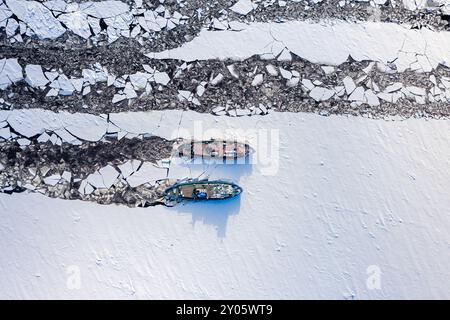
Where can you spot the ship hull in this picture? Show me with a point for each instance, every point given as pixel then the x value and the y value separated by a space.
pixel 202 190
pixel 213 149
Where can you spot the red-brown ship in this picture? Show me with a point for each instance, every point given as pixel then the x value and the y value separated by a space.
pixel 213 149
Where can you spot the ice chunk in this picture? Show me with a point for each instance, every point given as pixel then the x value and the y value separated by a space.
pixel 129 91
pixel 37 17
pixel 11 27
pixel 52 92
pixel 110 80
pixel 285 73
pixel 103 178
pixel 328 69
pixel 292 82
pixel 161 78
pixel 109 175
pixel 147 173
pixel 271 70
pixel 416 90
pixel 242 112
pixel 77 83
pixel 259 78
pixel 52 180
pixel 128 168
pixel 34 75
pixel 308 84
pixel 184 95
pixel 51 75
pixel 65 85
pixel 340 90
pixel 5 133
pixel 232 69
pixel 357 95
pixel 139 80
pixel 394 87
pixel 43 138
pixel 285 55
pixel 104 9
pixel 95 179
pixel 66 136
pixel 77 22
pixel 388 97
pixel 200 90
pixel 349 85
pixel 10 72
pixel 363 41
pixel 321 94
pixel 243 7
pixel 217 79
pixel 23 142
pixel 86 126
pixel 5 13
pixel 118 97
pixel 94 23
pixel 372 99
pixel 66 176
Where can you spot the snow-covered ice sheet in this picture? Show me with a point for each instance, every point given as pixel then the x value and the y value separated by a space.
pixel 350 195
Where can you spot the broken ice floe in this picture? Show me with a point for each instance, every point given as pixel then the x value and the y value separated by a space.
pixel 73 128
pixel 388 43
pixel 95 20
pixel 217 91
pixel 122 172
pixel 105 172
pixel 443 5
pixel 57 83
pixel 89 20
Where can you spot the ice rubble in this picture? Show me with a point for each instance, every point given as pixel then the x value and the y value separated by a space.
pixel 132 173
pixel 444 5
pixel 49 19
pixel 57 83
pixel 132 86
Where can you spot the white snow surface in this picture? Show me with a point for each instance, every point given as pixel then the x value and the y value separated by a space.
pixel 325 42
pixel 349 193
